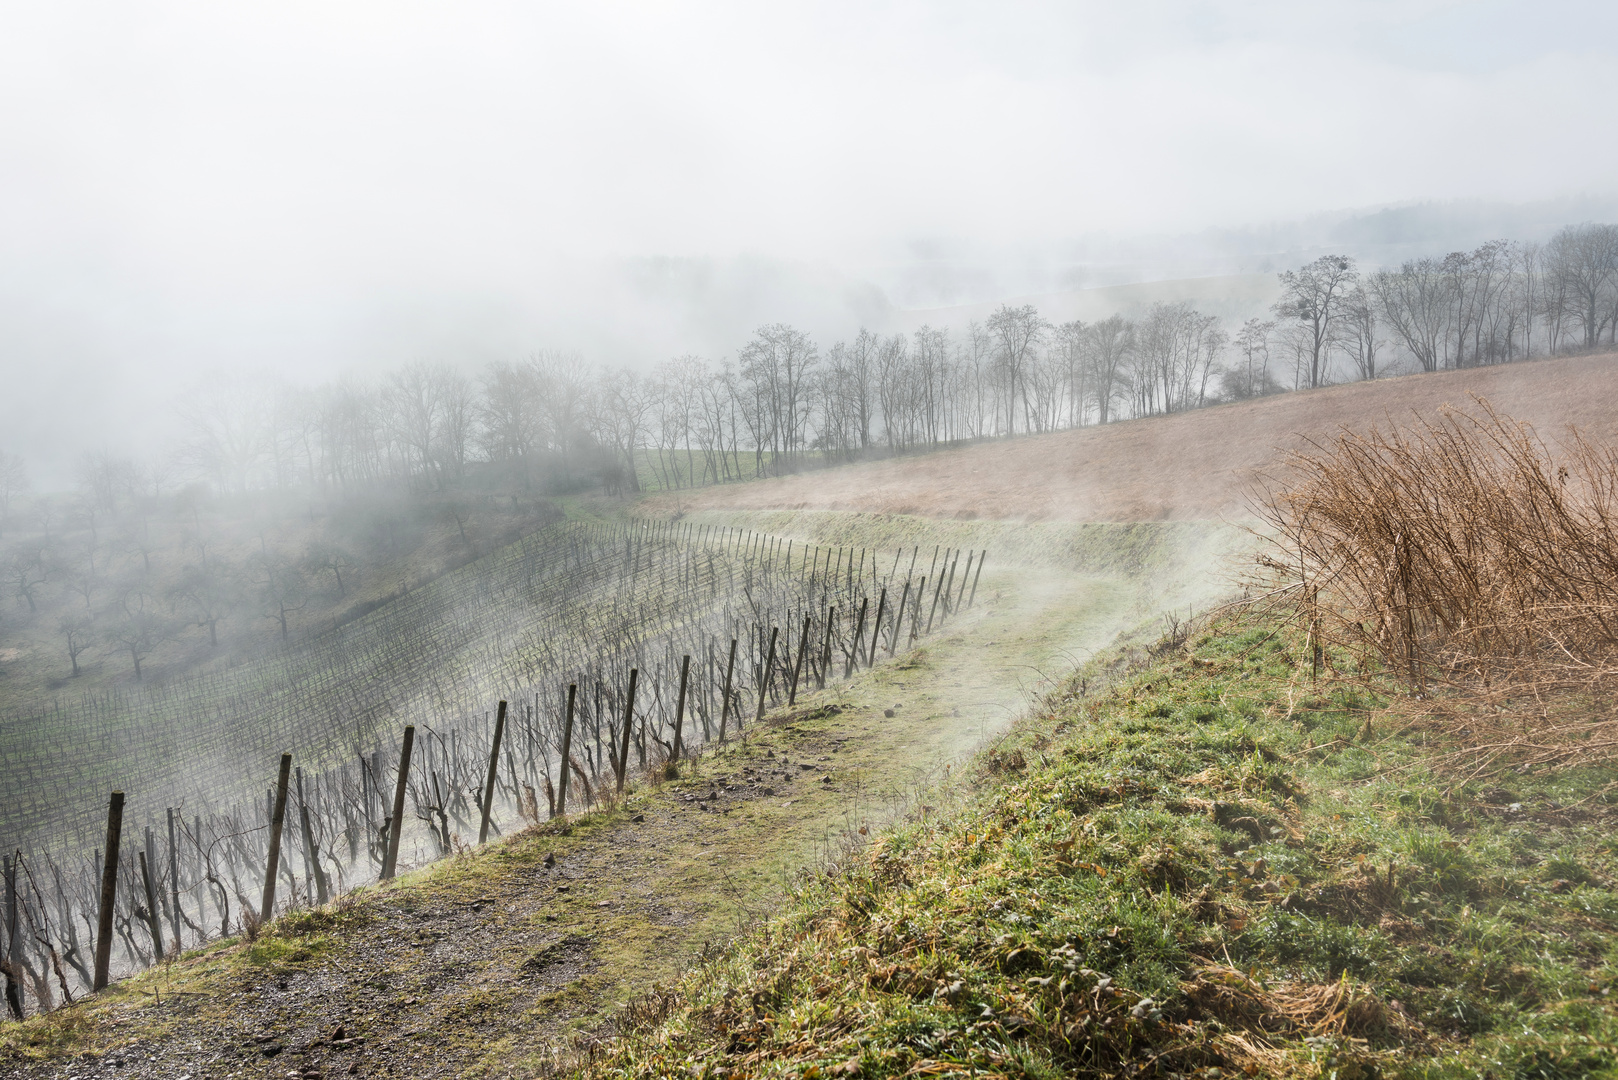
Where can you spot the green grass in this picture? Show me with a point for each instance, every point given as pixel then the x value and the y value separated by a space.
pixel 1215 866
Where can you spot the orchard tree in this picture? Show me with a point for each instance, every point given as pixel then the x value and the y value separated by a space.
pixel 78 633
pixel 138 628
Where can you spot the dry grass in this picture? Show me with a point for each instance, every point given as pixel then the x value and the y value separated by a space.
pixel 1476 563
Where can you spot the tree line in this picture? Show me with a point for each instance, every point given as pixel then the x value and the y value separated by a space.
pixel 785 401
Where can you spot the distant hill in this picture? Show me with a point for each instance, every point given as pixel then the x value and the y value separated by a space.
pixel 1190 466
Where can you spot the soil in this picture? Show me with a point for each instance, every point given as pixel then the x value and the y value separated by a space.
pixel 1201 465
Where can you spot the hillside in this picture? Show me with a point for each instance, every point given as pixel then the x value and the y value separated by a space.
pixel 1198 831
pixel 1190 466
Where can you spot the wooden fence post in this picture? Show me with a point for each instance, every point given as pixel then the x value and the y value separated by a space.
pixel 724 702
pixel 797 668
pixel 961 595
pixel 915 620
pixel 567 748
pixel 494 765
pixel 931 611
pixel 629 720
pixel 876 627
pixel 12 952
pixel 109 890
pixel 899 618
pixel 859 636
pixel 769 670
pixel 311 850
pixel 390 861
pixel 174 884
pixel 825 650
pixel 679 706
pixel 277 818
pixel 973 598
pixel 152 920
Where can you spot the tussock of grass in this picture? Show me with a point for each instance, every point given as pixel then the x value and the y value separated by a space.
pixel 1209 870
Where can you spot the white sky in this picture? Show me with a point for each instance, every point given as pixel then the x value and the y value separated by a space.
pixel 309 187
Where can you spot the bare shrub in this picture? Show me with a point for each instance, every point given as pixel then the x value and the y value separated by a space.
pixel 1463 553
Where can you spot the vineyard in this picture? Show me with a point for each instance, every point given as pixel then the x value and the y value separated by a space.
pixel 612 650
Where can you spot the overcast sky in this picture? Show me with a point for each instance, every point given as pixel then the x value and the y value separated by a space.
pixel 311 188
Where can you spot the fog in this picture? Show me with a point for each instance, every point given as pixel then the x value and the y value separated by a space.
pixel 308 190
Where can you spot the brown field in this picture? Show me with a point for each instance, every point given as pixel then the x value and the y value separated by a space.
pixel 1191 466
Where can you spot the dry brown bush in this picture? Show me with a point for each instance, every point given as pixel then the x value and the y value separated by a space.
pixel 1465 554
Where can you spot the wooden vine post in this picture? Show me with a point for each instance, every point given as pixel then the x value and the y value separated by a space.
pixel 899 618
pixel 13 951
pixel 679 706
pixel 390 860
pixel 277 819
pixel 825 650
pixel 152 921
pixel 109 890
pixel 915 620
pixel 629 720
pixel 724 696
pixel 494 766
pixel 859 636
pixel 567 748
pixel 174 883
pixel 961 594
pixel 797 668
pixel 876 627
pixel 769 670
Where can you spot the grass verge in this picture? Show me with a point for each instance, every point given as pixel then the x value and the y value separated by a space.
pixel 1214 869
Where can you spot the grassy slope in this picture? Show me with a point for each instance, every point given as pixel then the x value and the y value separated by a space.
pixel 1211 868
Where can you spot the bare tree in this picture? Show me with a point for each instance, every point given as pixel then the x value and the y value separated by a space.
pixel 227 433
pixel 1251 376
pixel 779 367
pixel 1111 344
pixel 1358 332
pixel 1312 297
pixel 1017 334
pixel 619 411
pixel 210 588
pixel 281 589
pixel 25 569
pixel 1416 303
pixel 414 399
pixel 1584 261
pixel 78 633
pixel 138 629
pixel 326 557
pixel 565 382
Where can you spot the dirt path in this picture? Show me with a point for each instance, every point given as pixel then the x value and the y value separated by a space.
pixel 482 964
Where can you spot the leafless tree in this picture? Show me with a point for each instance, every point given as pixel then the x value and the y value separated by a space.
pixel 78 633
pixel 1111 345
pixel 1357 333
pixel 1313 297
pixel 1416 302
pixel 1583 261
pixel 1017 334
pixel 1250 377
pixel 778 369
